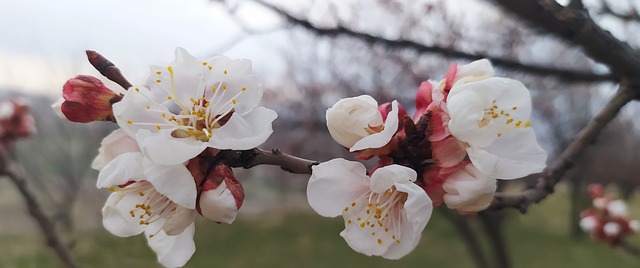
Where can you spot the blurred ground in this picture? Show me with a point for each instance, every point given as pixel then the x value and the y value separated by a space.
pixel 302 239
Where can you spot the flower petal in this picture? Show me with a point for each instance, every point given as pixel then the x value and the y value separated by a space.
pixel 218 204
pixel 175 182
pixel 183 79
pixel 115 214
pixel 514 155
pixel 415 216
pixel 468 190
pixel 361 231
pixel 162 148
pixel 137 110
pixel 173 251
pixel 180 219
pixel 113 145
pixel 244 132
pixel 229 80
pixel 386 177
pixel 349 119
pixel 335 184
pixel 380 139
pixel 474 71
pixel 124 168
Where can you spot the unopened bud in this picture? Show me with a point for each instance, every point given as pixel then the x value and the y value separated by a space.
pixel 87 99
pixel 221 195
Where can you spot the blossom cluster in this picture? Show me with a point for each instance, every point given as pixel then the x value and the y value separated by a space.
pixel 162 164
pixel 607 220
pixel 16 122
pixel 469 129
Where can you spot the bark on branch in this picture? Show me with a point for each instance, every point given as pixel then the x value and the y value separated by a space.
pixel 562 74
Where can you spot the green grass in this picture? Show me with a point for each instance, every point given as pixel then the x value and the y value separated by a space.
pixel 538 239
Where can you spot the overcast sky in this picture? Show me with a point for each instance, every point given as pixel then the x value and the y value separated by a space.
pixel 42 42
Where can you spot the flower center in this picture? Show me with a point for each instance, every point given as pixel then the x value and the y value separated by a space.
pixel 497 113
pixel 151 204
pixel 378 213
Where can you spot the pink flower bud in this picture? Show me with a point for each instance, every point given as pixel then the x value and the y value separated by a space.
pixel 221 195
pixel 87 99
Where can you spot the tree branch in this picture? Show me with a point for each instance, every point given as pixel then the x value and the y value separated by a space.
pixel 566 75
pixel 577 27
pixel 275 157
pixel 553 173
pixel 630 249
pixel 107 68
pixel 632 15
pixel 44 222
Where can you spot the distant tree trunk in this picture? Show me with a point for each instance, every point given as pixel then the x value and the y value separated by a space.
pixel 492 222
pixel 578 190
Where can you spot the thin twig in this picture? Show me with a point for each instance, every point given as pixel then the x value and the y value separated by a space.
pixel 275 157
pixel 630 249
pixel 566 75
pixel 44 222
pixel 553 173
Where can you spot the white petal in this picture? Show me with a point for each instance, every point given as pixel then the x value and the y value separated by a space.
pixel 588 224
pixel 386 177
pixel 514 155
pixel 474 71
pixel 125 167
pixel 244 132
pixel 115 214
pixel 349 119
pixel 469 190
pixel 160 147
pixel 173 251
pixel 612 229
pixel 362 233
pixel 137 110
pixel 117 143
pixel 335 184
pixel 175 182
pixel 237 83
pixel 57 108
pixel 183 79
pixel 415 216
pixel 219 204
pixel 180 219
pixel 380 139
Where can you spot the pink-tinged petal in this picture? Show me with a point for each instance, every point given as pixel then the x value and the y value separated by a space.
pixel 162 148
pixel 438 128
pixel 125 167
pixel 382 138
pixel 474 71
pixel 423 99
pixel 218 204
pixel 386 177
pixel 448 152
pixel 113 145
pixel 468 190
pixel 244 132
pixel 180 219
pixel 137 110
pixel 335 184
pixel 450 75
pixel 116 217
pixel 514 155
pixel 386 108
pixel 173 251
pixel 351 119
pixel 228 80
pixel 416 214
pixel 175 182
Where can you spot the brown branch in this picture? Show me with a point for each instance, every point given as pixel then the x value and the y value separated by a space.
pixel 553 173
pixel 107 68
pixel 566 75
pixel 577 27
pixel 275 157
pixel 44 222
